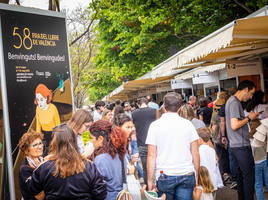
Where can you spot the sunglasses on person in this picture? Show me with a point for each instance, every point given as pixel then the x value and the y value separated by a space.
pixel 58 126
pixel 37 144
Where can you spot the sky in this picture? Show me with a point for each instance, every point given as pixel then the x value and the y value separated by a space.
pixel 64 4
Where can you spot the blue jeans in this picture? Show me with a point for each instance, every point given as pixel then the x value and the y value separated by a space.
pixel 134 147
pixel 176 187
pixel 261 175
pixel 139 169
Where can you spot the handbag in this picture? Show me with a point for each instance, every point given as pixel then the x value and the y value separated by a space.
pixel 123 194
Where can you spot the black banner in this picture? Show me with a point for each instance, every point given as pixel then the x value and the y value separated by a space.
pixel 37 72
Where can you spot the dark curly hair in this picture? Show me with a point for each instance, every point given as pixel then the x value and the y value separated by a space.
pixel 120 119
pixel 115 140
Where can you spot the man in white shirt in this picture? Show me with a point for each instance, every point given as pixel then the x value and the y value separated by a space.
pixel 173 155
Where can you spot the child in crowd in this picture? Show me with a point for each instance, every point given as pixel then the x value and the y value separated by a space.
pixel 207 155
pixel 205 188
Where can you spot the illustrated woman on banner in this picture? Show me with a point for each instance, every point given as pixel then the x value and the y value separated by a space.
pixel 47 115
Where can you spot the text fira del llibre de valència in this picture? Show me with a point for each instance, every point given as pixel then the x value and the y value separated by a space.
pixel 36 57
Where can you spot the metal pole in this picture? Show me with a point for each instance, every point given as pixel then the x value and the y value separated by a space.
pixel 260 65
pixel 204 88
pixel 237 81
pixel 182 92
pixel 219 82
pixel 6 120
pixel 70 66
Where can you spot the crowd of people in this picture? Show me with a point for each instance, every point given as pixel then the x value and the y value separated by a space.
pixel 179 149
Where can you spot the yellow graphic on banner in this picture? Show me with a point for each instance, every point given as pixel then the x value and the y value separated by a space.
pixel 28 39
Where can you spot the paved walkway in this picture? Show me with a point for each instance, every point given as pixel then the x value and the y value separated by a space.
pixel 228 194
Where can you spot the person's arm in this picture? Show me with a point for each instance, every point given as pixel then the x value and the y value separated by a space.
pixel 38 124
pixel 56 116
pixel 26 172
pixel 98 185
pixel 88 151
pixel 196 158
pixel 235 116
pixel 34 183
pixel 151 159
pixel 157 114
pixel 236 123
pixel 197 194
pixel 222 130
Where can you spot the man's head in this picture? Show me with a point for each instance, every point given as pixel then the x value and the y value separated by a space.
pixel 127 106
pixel 192 100
pixel 204 135
pixel 149 98
pixel 143 102
pixel 118 102
pixel 246 90
pixel 99 105
pixel 172 102
pixel 111 106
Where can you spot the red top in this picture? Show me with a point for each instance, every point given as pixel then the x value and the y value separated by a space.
pixel 210 105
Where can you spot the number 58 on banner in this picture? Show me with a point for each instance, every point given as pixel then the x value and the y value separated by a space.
pixel 22 39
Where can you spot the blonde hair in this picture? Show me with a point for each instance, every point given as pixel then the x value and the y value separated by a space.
pixel 78 119
pixel 63 150
pixel 204 133
pixel 186 111
pixel 105 113
pixel 204 180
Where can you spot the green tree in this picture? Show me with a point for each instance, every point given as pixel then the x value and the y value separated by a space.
pixel 136 35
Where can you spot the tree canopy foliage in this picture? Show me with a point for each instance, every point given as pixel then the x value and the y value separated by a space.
pixel 136 35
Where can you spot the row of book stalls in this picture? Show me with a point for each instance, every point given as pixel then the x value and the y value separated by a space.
pixel 219 61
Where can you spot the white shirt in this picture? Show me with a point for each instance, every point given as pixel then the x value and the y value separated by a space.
pixel 80 143
pixel 198 123
pixel 205 196
pixel 96 116
pixel 172 135
pixel 263 108
pixel 208 160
